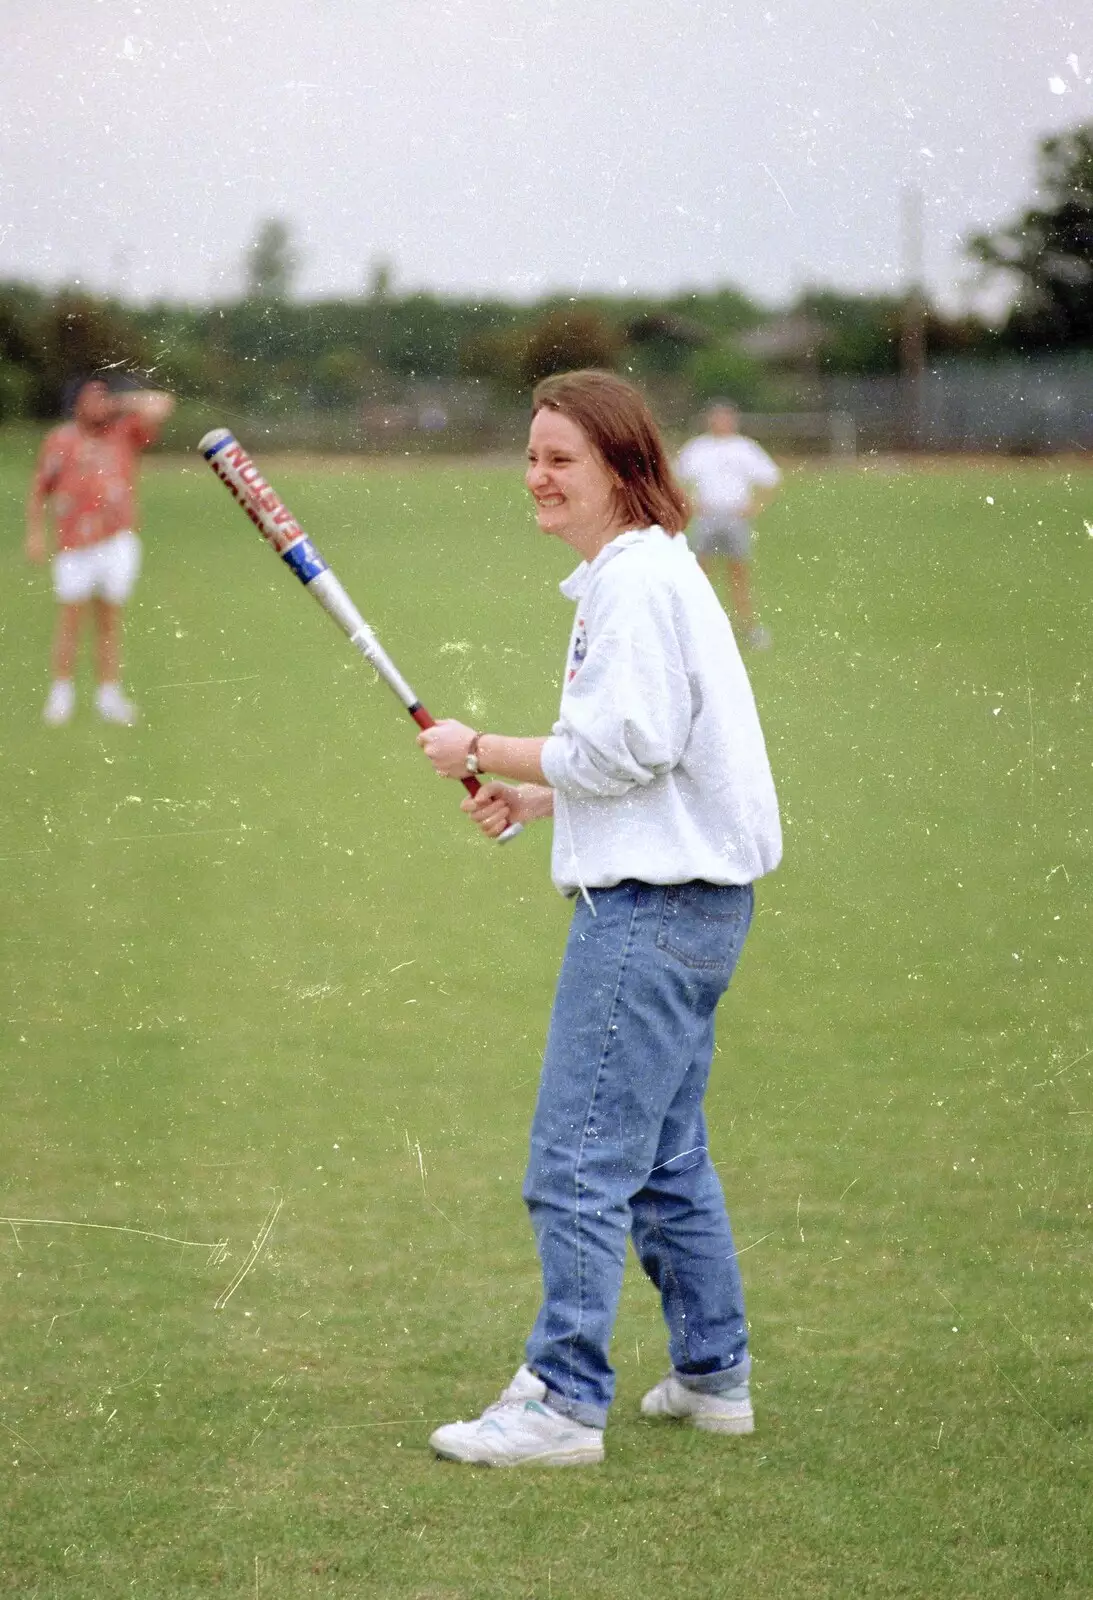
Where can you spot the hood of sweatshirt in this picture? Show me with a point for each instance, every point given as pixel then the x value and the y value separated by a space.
pixel 575 585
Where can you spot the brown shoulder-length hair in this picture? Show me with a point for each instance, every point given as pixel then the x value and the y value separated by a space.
pixel 618 422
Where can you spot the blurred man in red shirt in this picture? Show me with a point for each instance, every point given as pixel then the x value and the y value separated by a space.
pixel 86 479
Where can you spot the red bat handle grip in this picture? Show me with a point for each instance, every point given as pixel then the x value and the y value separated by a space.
pixel 424 720
pixel 470 783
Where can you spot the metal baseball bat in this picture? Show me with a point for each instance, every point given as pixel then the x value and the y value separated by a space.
pixel 275 522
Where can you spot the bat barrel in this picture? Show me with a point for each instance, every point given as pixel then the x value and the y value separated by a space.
pixel 274 521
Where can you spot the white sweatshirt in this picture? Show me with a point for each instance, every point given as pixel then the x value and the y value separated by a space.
pixel 657 759
pixel 724 472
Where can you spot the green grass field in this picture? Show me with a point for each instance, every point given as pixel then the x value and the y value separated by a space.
pixel 266 987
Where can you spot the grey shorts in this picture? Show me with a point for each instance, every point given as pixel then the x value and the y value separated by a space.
pixel 722 536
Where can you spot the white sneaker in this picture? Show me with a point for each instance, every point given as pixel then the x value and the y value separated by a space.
pixel 519 1430
pixel 112 705
pixel 60 702
pixel 716 1413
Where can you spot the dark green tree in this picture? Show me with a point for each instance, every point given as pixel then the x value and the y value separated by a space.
pixel 663 341
pixel 380 281
pixel 496 354
pixel 76 336
pixel 1050 248
pixel 854 332
pixel 271 261
pixel 721 371
pixel 566 339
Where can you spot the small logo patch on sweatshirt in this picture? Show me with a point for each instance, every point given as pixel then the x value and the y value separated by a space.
pixel 580 649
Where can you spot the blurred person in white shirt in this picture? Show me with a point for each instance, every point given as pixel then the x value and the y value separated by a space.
pixel 732 480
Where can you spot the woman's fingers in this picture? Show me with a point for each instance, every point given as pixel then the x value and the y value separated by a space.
pixel 490 808
pixel 446 744
pixel 489 794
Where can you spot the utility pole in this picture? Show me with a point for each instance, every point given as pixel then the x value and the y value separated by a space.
pixel 912 340
pixel 120 264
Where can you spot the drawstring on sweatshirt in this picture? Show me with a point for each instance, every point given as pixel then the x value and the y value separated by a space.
pixel 574 868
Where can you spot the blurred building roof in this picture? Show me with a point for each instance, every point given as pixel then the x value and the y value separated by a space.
pixel 790 339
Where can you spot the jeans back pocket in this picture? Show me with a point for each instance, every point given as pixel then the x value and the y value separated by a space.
pixel 704 925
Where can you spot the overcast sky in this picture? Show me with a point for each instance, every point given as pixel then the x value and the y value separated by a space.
pixel 518 146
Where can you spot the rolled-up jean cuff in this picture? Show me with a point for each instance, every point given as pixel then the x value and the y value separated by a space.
pixel 722 1382
pixel 576 1410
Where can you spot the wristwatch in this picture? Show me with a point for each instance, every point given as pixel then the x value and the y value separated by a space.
pixel 473 765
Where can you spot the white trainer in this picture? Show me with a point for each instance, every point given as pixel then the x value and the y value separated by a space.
pixel 60 702
pixel 519 1430
pixel 716 1413
pixel 112 705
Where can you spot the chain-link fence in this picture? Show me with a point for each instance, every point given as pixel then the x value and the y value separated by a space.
pixel 1031 406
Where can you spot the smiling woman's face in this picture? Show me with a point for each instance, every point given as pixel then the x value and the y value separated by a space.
pixel 573 490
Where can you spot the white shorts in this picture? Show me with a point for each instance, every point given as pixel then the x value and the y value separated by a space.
pixel 108 569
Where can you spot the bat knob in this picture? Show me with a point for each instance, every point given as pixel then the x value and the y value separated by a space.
pixel 214 440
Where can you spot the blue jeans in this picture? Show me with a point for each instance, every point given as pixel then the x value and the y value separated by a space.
pixel 618 1141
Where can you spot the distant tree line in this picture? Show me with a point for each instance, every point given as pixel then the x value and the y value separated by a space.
pixel 267 352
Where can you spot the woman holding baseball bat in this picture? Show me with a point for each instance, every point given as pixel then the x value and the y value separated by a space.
pixel 664 812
